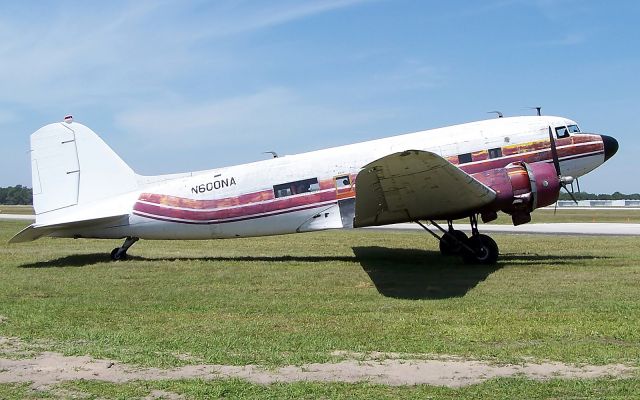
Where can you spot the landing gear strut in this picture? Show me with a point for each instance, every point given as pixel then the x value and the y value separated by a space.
pixel 451 241
pixel 120 253
pixel 477 249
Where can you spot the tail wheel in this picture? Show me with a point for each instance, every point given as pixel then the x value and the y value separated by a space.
pixel 485 250
pixel 452 246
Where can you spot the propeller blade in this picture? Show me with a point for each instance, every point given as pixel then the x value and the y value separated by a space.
pixel 564 186
pixel 578 184
pixel 554 152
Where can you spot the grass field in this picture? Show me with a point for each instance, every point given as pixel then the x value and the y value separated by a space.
pixel 296 299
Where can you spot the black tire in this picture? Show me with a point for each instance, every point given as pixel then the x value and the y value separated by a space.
pixel 116 255
pixel 485 250
pixel 451 247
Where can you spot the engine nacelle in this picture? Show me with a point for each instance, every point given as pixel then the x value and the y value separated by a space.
pixel 520 189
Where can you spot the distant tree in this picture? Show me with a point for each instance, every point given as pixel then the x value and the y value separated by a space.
pixel 16 195
pixel 602 196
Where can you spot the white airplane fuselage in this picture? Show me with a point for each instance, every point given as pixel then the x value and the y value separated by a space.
pixel 316 190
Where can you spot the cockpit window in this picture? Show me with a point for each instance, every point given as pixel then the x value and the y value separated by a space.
pixel 562 132
pixel 573 129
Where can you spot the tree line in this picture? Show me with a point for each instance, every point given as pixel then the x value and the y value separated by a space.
pixel 16 195
pixel 593 196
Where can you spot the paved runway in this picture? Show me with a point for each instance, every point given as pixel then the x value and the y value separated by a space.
pixel 18 217
pixel 554 228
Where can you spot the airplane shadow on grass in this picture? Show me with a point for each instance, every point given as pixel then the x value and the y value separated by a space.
pixel 397 273
pixel 418 274
pixel 83 260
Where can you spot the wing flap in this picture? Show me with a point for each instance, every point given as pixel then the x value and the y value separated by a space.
pixel 413 185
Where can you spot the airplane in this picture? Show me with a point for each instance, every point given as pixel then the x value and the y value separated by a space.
pixel 82 189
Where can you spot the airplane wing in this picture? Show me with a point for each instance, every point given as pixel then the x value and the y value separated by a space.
pixel 413 185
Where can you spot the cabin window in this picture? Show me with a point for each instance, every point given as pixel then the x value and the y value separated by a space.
pixel 464 158
pixel 495 153
pixel 573 129
pixel 297 187
pixel 562 132
pixel 342 181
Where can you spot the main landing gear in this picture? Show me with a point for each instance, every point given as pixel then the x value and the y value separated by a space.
pixel 120 253
pixel 477 249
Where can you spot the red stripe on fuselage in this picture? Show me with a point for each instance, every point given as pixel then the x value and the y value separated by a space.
pixel 236 212
pixel 565 151
pixel 280 212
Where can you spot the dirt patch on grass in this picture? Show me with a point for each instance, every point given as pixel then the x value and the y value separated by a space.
pixel 48 368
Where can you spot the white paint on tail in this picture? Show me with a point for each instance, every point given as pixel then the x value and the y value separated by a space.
pixel 73 167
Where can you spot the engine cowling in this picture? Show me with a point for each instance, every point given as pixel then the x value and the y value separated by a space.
pixel 520 189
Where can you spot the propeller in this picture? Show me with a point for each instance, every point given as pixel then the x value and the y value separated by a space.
pixel 564 180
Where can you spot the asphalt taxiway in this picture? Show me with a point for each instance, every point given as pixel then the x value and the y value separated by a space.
pixel 588 228
pixel 17 217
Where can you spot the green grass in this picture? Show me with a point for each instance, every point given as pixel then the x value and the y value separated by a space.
pixel 295 299
pixel 503 388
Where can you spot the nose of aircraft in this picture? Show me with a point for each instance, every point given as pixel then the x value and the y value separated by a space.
pixel 610 146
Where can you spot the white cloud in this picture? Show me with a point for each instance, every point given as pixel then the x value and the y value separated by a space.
pixel 106 54
pixel 201 135
pixel 275 111
pixel 239 20
pixel 411 75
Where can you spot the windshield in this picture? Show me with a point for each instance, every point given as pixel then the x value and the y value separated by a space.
pixel 573 129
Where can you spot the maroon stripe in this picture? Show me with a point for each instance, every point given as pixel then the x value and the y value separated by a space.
pixel 544 155
pixel 283 204
pixel 160 218
pixel 182 202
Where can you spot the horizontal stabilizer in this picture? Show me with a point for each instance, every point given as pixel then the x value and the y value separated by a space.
pixel 30 233
pixel 34 231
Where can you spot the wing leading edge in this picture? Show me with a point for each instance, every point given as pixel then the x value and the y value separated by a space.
pixel 413 185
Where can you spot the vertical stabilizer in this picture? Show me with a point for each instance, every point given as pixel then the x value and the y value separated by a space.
pixel 72 166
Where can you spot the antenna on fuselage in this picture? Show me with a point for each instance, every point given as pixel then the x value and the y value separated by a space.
pixel 538 110
pixel 496 112
pixel 273 153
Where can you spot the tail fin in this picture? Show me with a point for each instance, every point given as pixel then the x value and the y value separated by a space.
pixel 71 165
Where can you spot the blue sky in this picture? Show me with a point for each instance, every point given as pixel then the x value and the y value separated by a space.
pixel 175 86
